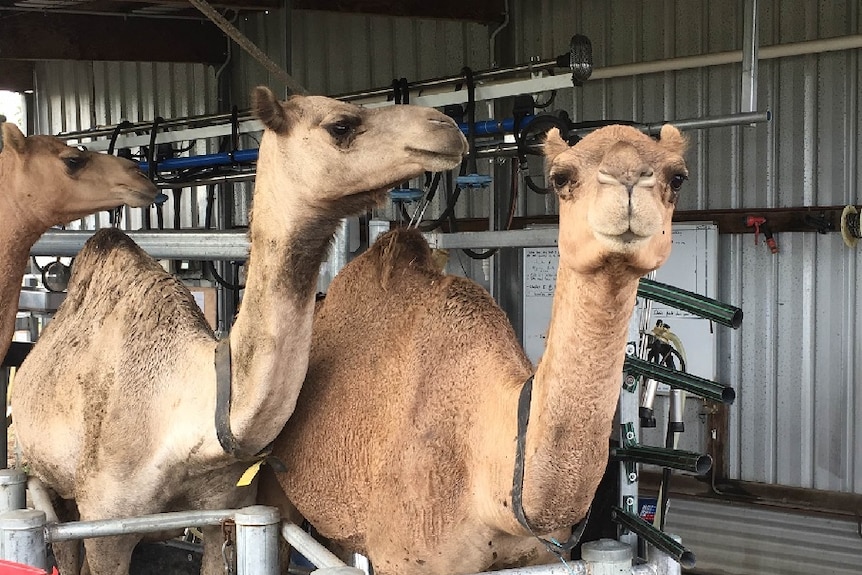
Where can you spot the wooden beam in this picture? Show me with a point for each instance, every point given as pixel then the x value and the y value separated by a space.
pixel 16 76
pixel 484 11
pixel 45 36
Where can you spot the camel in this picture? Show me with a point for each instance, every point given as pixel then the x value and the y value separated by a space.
pixel 43 183
pixel 407 450
pixel 116 406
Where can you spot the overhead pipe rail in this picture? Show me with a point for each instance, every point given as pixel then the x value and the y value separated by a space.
pixel 578 60
pixel 483 128
pixel 530 85
pixel 214 125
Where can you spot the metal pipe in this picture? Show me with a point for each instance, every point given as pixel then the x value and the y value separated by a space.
pixel 664 457
pixel 257 540
pixel 41 499
pixel 664 563
pixel 607 556
pixel 309 547
pixel 680 379
pixel 527 85
pixel 246 176
pixel 160 244
pixel 250 47
pixel 144 524
pixel 569 568
pixel 444 81
pixel 13 489
pixel 483 128
pixel 651 128
pixel 203 161
pixel 749 57
pixel 697 304
pixel 22 537
pixel 339 250
pixel 654 537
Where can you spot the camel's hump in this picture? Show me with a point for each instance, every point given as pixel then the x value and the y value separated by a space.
pixel 113 275
pixel 403 246
pixel 109 239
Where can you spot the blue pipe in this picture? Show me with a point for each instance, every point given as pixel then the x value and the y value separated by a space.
pixel 483 128
pixel 492 127
pixel 204 161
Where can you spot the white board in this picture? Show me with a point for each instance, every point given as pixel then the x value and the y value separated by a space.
pixel 692 265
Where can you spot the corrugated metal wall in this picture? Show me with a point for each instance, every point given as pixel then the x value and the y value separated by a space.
pixel 331 53
pixel 738 539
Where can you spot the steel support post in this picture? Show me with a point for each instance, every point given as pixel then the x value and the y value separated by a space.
pixel 748 102
pixel 13 489
pixel 22 537
pixel 607 557
pixel 257 540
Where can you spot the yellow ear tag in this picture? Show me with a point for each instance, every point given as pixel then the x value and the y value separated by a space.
pixel 249 474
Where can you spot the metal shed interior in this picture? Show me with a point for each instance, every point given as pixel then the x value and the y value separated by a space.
pixel 788 454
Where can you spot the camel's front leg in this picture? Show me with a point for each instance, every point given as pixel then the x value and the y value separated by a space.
pixel 110 555
pixel 213 562
pixel 67 555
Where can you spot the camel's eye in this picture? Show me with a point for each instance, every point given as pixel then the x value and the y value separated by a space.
pixel 74 163
pixel 560 179
pixel 676 181
pixel 339 130
pixel 342 129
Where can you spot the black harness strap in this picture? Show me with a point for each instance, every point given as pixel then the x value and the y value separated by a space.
pixel 226 438
pixel 518 479
pixel 520 442
pixel 222 411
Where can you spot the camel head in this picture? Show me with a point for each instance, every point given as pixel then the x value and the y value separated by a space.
pixel 348 153
pixel 618 189
pixel 59 183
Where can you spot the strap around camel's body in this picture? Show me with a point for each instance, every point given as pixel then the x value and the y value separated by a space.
pixel 518 481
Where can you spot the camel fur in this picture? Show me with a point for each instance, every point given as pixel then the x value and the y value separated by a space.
pixel 402 446
pixel 43 183
pixel 115 405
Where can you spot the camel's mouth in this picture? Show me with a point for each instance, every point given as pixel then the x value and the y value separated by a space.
pixel 138 198
pixel 438 160
pixel 626 241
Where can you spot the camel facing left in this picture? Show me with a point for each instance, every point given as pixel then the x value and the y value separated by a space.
pixel 117 405
pixel 43 183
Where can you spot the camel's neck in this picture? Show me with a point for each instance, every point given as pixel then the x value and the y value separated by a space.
pixel 271 337
pixel 575 394
pixel 16 239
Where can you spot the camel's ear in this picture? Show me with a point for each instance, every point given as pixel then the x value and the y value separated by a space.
pixel 11 137
pixel 672 139
pixel 268 109
pixel 554 144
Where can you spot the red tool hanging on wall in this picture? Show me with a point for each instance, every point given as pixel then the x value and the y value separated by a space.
pixel 759 224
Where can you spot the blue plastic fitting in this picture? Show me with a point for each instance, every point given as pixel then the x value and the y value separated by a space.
pixel 474 181
pixel 406 194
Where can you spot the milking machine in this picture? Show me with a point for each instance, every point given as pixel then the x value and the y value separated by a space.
pixel 642 366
